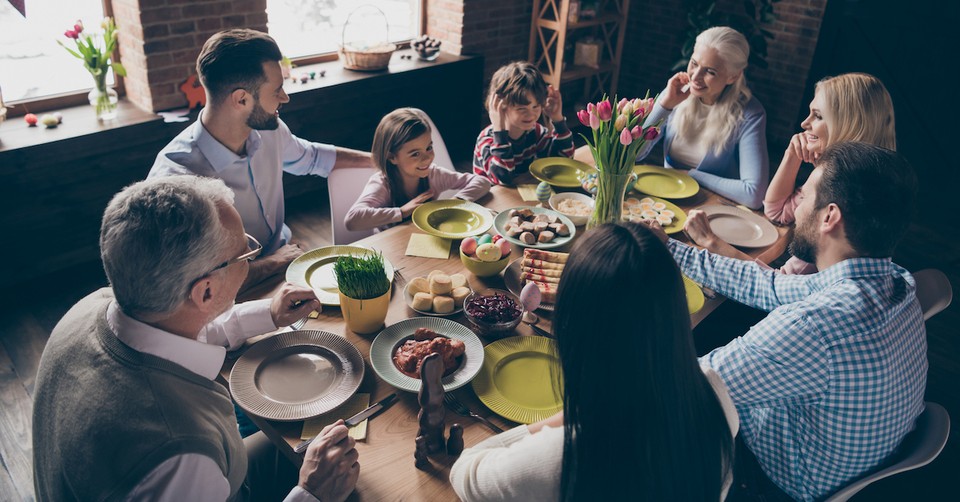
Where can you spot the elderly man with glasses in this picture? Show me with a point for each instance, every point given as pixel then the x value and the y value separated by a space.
pixel 126 406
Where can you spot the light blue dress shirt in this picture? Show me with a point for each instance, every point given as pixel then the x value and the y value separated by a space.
pixel 255 178
pixel 829 383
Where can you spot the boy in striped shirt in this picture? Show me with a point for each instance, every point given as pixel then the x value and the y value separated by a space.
pixel 516 137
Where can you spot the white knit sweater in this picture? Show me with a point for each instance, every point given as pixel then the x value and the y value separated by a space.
pixel 517 465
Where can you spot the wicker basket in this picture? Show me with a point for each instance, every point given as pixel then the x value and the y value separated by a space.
pixel 368 59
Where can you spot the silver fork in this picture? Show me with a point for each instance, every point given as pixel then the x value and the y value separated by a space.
pixel 454 404
pixel 399 278
pixel 299 324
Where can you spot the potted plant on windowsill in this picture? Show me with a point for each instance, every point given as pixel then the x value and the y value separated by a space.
pixel 364 291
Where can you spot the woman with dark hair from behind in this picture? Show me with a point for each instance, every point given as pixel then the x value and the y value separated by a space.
pixel 641 418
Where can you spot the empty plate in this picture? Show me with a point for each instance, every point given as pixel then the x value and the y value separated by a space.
pixel 296 375
pixel 663 182
pixel 560 171
pixel 452 218
pixel 518 380
pixel 740 227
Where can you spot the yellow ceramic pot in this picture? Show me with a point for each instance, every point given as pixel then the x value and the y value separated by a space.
pixel 365 316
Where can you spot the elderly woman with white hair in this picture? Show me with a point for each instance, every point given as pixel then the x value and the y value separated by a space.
pixel 719 134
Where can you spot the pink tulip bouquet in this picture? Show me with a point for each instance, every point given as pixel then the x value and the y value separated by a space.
pixel 95 51
pixel 618 135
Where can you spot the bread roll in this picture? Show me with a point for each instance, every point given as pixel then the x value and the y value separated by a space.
pixel 459 294
pixel 458 280
pixel 442 304
pixel 440 284
pixel 419 285
pixel 423 301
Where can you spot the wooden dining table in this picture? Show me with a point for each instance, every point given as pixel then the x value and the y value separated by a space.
pixel 387 469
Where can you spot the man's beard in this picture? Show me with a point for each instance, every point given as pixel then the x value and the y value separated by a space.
pixel 804 244
pixel 260 120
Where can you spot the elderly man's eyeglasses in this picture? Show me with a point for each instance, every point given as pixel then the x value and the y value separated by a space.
pixel 254 250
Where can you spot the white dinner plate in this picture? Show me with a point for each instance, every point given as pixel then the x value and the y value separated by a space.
pixel 740 227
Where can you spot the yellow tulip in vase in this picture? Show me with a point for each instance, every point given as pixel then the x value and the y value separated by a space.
pixel 618 135
pixel 364 292
pixel 96 51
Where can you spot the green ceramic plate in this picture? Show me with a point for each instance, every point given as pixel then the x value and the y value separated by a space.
pixel 662 182
pixel 679 217
pixel 517 379
pixel 452 219
pixel 694 295
pixel 501 221
pixel 314 269
pixel 559 171
pixel 386 343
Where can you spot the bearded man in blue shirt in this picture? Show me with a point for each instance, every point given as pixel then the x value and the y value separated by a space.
pixel 830 382
pixel 240 139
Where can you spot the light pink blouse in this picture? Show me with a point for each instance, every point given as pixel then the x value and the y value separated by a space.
pixel 784 212
pixel 375 209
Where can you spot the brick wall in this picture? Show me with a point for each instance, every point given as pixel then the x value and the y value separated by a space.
pixel 657 31
pixel 160 42
pixel 499 30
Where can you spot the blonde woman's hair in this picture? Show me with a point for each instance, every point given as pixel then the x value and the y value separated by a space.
pixel 857 107
pixel 395 129
pixel 725 115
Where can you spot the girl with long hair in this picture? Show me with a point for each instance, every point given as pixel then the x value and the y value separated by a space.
pixel 640 417
pixel 714 126
pixel 848 107
pixel 403 151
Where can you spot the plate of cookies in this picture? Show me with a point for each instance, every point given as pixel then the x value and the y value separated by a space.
pixel 535 227
pixel 437 294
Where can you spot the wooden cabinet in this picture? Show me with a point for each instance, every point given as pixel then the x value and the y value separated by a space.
pixel 556 28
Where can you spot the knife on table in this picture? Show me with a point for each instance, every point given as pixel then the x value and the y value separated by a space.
pixel 354 420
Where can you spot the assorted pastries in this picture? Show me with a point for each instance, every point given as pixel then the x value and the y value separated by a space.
pixel 532 228
pixel 647 209
pixel 544 269
pixel 438 292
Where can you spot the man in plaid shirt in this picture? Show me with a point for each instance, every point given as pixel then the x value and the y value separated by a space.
pixel 830 382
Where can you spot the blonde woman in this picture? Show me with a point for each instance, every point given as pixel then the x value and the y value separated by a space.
pixel 848 107
pixel 714 126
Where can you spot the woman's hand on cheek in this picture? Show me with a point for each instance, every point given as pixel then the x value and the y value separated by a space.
pixel 676 92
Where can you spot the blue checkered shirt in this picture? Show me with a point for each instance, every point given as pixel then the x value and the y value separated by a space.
pixel 829 383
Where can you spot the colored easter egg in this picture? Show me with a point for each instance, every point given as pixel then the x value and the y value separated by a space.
pixel 485 239
pixel 488 252
pixel 497 238
pixel 530 297
pixel 49 121
pixel 469 246
pixel 504 247
pixel 30 119
pixel 543 191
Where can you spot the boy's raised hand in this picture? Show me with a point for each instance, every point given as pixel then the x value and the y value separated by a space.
pixel 498 112
pixel 407 209
pixel 554 105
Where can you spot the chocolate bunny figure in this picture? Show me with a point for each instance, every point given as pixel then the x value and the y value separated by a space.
pixel 431 416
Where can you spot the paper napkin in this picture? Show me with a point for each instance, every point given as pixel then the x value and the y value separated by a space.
pixel 529 192
pixel 354 405
pixel 428 246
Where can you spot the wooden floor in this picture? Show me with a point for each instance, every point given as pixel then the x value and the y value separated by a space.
pixel 30 311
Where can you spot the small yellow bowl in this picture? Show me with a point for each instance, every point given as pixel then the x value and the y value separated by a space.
pixel 485 268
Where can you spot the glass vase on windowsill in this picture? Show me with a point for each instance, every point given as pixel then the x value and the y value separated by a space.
pixel 103 98
pixel 95 51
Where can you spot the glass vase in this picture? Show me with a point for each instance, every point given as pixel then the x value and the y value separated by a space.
pixel 104 100
pixel 608 204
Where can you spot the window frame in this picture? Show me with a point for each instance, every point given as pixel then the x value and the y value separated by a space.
pixel 326 57
pixel 66 99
